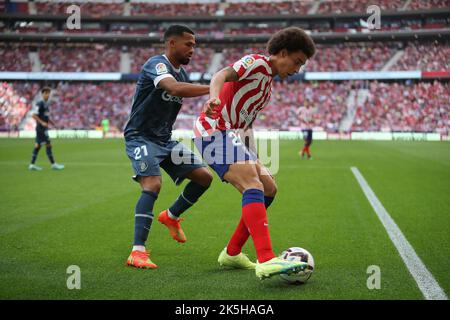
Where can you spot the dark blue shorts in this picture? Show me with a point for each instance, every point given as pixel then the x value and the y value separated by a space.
pixel 42 137
pixel 147 157
pixel 222 149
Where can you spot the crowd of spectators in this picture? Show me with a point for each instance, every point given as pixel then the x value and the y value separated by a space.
pixel 15 102
pixel 174 9
pixel 352 57
pixel 84 105
pixel 328 100
pixel 87 58
pixel 96 9
pixel 303 7
pixel 139 55
pixel 364 56
pixel 339 57
pixel 14 57
pixel 341 6
pixel 272 8
pixel 200 60
pixel 425 57
pixel 217 30
pixel 423 106
pixel 427 4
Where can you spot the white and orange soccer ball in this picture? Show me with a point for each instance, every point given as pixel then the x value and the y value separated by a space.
pixel 298 254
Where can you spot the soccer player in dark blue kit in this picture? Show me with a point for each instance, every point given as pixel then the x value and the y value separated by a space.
pixel 42 124
pixel 159 94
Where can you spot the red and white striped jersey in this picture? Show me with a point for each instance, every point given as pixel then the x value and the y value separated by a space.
pixel 306 117
pixel 240 100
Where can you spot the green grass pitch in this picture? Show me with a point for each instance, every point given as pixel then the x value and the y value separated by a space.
pixel 84 216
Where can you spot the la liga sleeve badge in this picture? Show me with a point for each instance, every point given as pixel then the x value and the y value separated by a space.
pixel 247 61
pixel 161 68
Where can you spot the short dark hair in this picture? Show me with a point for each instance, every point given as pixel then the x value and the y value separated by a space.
pixel 176 30
pixel 46 89
pixel 292 39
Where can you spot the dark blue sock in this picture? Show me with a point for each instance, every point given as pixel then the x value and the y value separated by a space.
pixel 268 201
pixel 187 198
pixel 34 155
pixel 143 217
pixel 50 155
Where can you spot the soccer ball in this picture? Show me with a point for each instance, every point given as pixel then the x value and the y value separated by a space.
pixel 298 254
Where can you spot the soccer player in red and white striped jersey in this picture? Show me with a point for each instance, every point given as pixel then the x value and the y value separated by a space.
pixel 241 99
pixel 237 93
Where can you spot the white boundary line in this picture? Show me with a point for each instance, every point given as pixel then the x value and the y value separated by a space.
pixel 427 284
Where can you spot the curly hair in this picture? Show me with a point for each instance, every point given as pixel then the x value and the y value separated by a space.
pixel 292 39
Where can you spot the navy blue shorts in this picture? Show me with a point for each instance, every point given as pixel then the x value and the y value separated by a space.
pixel 42 137
pixel 147 157
pixel 222 149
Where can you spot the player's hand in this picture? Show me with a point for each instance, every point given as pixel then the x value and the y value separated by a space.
pixel 45 124
pixel 208 107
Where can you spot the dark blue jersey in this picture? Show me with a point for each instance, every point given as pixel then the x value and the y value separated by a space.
pixel 153 110
pixel 43 113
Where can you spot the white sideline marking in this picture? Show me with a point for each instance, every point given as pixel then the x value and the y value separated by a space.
pixel 427 284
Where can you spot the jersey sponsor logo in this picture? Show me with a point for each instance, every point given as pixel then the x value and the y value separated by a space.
pixel 247 61
pixel 161 68
pixel 247 117
pixel 169 98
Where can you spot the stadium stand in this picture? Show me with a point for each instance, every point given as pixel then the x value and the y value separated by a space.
pixel 15 102
pixel 14 58
pixel 422 107
pixel 400 105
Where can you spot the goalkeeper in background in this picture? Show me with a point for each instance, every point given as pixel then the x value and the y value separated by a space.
pixel 105 127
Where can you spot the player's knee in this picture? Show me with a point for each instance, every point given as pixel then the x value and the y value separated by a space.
pixel 151 184
pixel 253 183
pixel 201 176
pixel 244 177
pixel 206 178
pixel 154 187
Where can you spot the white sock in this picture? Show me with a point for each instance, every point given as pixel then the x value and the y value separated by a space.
pixel 139 248
pixel 171 216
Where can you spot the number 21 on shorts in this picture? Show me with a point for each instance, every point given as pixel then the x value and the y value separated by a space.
pixel 137 152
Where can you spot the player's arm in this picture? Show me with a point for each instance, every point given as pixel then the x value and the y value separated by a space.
pixel 42 122
pixel 157 71
pixel 182 89
pixel 227 74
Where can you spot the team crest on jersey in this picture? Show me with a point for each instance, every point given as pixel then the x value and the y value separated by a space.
pixel 143 166
pixel 161 68
pixel 248 61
